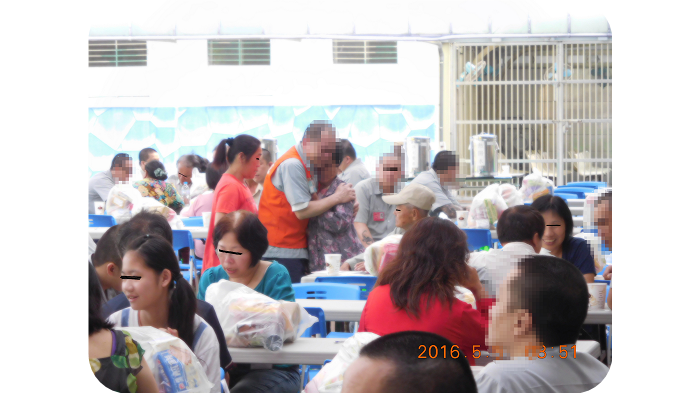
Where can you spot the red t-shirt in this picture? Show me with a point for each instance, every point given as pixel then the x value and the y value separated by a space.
pixel 230 195
pixel 462 325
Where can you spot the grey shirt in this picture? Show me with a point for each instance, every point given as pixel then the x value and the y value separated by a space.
pixel 442 196
pixel 290 178
pixel 377 214
pixel 354 173
pixel 98 189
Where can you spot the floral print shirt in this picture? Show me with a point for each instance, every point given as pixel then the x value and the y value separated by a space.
pixel 118 372
pixel 161 191
pixel 332 232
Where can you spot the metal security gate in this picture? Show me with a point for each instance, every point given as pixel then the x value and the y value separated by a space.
pixel 548 119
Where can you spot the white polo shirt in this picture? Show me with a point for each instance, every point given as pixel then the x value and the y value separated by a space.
pixel 494 265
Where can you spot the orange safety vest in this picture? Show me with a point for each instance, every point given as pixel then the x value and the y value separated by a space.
pixel 284 229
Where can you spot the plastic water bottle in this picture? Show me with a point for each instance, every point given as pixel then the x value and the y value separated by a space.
pixel 186 194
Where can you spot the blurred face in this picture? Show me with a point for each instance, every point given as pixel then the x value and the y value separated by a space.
pixel 151 157
pixel 235 265
pixel 320 151
pixel 150 290
pixel 250 168
pixel 405 216
pixel 389 171
pixel 502 321
pixel 603 220
pixel 184 174
pixel 262 171
pixel 122 174
pixel 366 375
pixel 449 176
pixel 554 232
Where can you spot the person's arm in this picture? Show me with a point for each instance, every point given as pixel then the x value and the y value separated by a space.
pixel 610 298
pixel 145 381
pixel 102 188
pixel 583 258
pixel 364 234
pixel 177 204
pixel 589 277
pixel 343 194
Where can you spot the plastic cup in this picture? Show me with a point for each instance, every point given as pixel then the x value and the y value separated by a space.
pixel 206 218
pixel 333 264
pixel 462 218
pixel 100 208
pixel 596 299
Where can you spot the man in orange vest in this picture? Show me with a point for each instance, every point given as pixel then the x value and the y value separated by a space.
pixel 287 200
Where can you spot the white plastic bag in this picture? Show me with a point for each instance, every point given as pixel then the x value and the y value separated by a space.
pixel 486 208
pixel 510 195
pixel 173 364
pixel 251 319
pixel 153 206
pixel 330 378
pixel 535 185
pixel 199 184
pixel 374 254
pixel 121 201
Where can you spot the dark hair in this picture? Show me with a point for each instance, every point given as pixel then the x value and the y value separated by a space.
pixel 249 231
pixel 119 160
pixel 555 293
pixel 214 174
pixel 520 224
pixel 431 259
pixel 556 204
pixel 243 143
pixel 141 224
pixel 106 250
pixel 267 156
pixel 145 153
pixel 442 374
pixel 316 128
pixel 445 160
pixel 159 255
pixel 194 161
pixel 95 320
pixel 348 149
pixel 151 168
pixel 337 156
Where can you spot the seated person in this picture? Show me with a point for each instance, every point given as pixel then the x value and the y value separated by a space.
pixel 374 220
pixel 101 183
pixel 441 176
pixel 242 232
pixel 162 298
pixel 543 302
pixel 603 221
pixel 108 264
pixel 155 186
pixel 393 364
pixel 106 344
pixel 204 203
pixel 412 204
pixel 155 224
pixel 331 232
pixel 520 230
pixel 185 166
pixel 351 169
pixel 558 240
pixel 415 290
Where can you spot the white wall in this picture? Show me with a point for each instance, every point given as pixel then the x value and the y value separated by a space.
pixel 301 73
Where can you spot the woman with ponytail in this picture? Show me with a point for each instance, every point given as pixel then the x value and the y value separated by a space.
pixel 241 155
pixel 154 185
pixel 162 298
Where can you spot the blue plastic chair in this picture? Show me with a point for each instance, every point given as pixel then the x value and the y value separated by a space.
pixel 579 191
pixel 183 239
pixel 477 238
pixel 318 327
pixel 100 221
pixel 325 290
pixel 223 379
pixel 311 372
pixel 193 221
pixel 593 184
pixel 366 282
pixel 566 195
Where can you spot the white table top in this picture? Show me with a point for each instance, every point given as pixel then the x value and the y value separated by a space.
pixel 351 310
pixel 197 232
pixel 305 350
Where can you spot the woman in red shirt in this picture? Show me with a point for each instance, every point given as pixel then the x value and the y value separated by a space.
pixel 415 291
pixel 242 156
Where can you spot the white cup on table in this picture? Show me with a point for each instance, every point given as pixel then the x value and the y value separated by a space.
pixel 100 208
pixel 206 219
pixel 333 264
pixel 596 299
pixel 462 218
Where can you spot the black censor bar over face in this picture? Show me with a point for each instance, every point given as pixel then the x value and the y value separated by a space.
pixel 553 225
pixel 130 277
pixel 231 252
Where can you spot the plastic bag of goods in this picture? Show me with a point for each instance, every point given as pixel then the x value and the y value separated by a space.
pixel 510 195
pixel 486 208
pixel 151 205
pixel 251 319
pixel 121 201
pixel 199 184
pixel 173 364
pixel 330 378
pixel 534 186
pixel 374 254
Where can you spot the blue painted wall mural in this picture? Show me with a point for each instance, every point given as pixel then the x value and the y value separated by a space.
pixel 174 132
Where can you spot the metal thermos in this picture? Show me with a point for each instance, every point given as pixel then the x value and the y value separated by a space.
pixel 484 152
pixel 417 155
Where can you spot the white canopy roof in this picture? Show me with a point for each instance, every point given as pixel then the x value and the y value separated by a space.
pixel 360 19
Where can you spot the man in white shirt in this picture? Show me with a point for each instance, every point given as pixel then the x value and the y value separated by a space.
pixel 520 231
pixel 535 323
pixel 351 168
